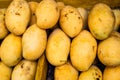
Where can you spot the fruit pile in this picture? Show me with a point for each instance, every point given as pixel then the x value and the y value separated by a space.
pixel 80 44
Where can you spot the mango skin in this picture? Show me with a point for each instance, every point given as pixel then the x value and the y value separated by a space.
pixel 65 72
pixel 11 50
pixel 58 46
pixel 17 16
pixel 111 73
pixel 47 14
pixel 5 71
pixel 109 50
pixel 25 70
pixel 34 42
pixel 71 21
pixel 93 73
pixel 83 50
pixel 101 21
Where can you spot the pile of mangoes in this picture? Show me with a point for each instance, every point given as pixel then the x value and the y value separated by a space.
pixel 73 40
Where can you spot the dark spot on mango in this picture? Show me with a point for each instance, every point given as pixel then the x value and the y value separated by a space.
pixel 56 9
pixel 78 17
pixel 96 74
pixel 62 60
pixel 17 13
pixel 100 20
pixel 20 6
pixel 33 14
pixel 97 78
pixel 66 15
pixel 71 11
pixel 22 65
pixel 4 14
pixel 28 68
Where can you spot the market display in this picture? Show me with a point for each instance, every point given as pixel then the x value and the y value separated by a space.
pixel 78 43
